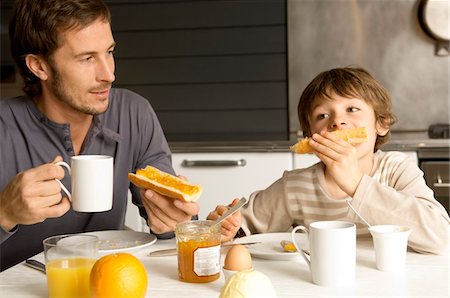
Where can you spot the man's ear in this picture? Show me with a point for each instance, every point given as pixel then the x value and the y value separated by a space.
pixel 37 66
pixel 382 129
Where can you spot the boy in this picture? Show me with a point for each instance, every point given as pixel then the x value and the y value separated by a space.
pixel 384 187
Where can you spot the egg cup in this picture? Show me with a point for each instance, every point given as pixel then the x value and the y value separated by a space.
pixel 228 273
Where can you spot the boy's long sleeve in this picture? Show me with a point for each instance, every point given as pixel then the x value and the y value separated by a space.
pixel 405 199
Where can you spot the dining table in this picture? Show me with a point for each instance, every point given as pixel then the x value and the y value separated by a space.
pixel 424 275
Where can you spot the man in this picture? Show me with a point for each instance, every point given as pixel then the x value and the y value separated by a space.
pixel 64 50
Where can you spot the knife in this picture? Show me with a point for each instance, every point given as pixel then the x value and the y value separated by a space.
pixel 173 251
pixel 35 265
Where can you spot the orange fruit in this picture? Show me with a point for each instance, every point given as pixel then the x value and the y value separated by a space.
pixel 118 275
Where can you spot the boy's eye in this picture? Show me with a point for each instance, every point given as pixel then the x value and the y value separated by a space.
pixel 322 116
pixel 353 109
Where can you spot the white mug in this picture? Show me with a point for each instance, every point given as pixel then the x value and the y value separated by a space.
pixel 332 252
pixel 92 182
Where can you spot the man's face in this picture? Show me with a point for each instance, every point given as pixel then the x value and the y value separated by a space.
pixel 82 69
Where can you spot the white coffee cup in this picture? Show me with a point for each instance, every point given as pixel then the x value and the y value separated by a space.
pixel 390 243
pixel 92 182
pixel 332 252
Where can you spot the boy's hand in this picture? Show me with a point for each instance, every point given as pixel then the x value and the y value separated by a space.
pixel 340 159
pixel 230 226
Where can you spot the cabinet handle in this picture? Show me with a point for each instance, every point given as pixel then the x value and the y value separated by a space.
pixel 440 184
pixel 213 163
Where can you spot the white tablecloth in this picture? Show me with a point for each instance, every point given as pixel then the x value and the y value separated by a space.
pixel 424 276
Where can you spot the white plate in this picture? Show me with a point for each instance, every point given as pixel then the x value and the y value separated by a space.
pixel 117 241
pixel 270 247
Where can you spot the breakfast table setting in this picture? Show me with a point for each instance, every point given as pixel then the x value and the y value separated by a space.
pixel 423 275
pixel 325 259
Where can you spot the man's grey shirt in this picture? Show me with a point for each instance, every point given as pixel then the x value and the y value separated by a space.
pixel 129 131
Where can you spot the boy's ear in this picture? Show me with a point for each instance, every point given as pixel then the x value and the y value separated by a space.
pixel 37 66
pixel 382 129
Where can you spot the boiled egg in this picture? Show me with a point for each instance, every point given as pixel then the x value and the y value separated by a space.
pixel 238 258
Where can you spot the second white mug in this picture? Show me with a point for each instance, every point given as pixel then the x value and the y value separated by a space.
pixel 92 182
pixel 332 252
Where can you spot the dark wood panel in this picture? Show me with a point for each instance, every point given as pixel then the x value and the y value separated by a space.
pixel 5 50
pixel 254 121
pixel 218 41
pixel 213 70
pixel 134 2
pixel 5 17
pixel 201 69
pixel 6 4
pixel 272 95
pixel 196 14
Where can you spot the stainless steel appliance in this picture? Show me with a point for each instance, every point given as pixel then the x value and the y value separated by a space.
pixel 435 163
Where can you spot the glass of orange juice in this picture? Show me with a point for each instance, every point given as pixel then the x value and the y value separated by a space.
pixel 68 262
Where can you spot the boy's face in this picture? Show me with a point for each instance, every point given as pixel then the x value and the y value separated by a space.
pixel 344 113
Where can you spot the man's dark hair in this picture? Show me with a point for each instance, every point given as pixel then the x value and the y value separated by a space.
pixel 36 25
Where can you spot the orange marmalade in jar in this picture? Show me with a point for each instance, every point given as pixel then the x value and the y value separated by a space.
pixel 198 248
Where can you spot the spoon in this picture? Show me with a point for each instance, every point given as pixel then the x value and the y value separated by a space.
pixel 230 211
pixel 357 213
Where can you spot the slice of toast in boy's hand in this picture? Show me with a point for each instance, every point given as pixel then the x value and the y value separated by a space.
pixel 352 135
pixel 165 184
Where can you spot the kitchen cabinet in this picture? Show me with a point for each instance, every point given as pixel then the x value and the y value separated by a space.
pixel 133 220
pixel 225 176
pixel 301 161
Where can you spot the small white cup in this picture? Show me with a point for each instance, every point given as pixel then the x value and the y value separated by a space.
pixel 332 252
pixel 92 182
pixel 390 242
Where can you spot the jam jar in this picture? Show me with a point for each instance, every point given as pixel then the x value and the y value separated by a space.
pixel 198 249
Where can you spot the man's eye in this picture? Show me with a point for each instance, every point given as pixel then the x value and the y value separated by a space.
pixel 111 52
